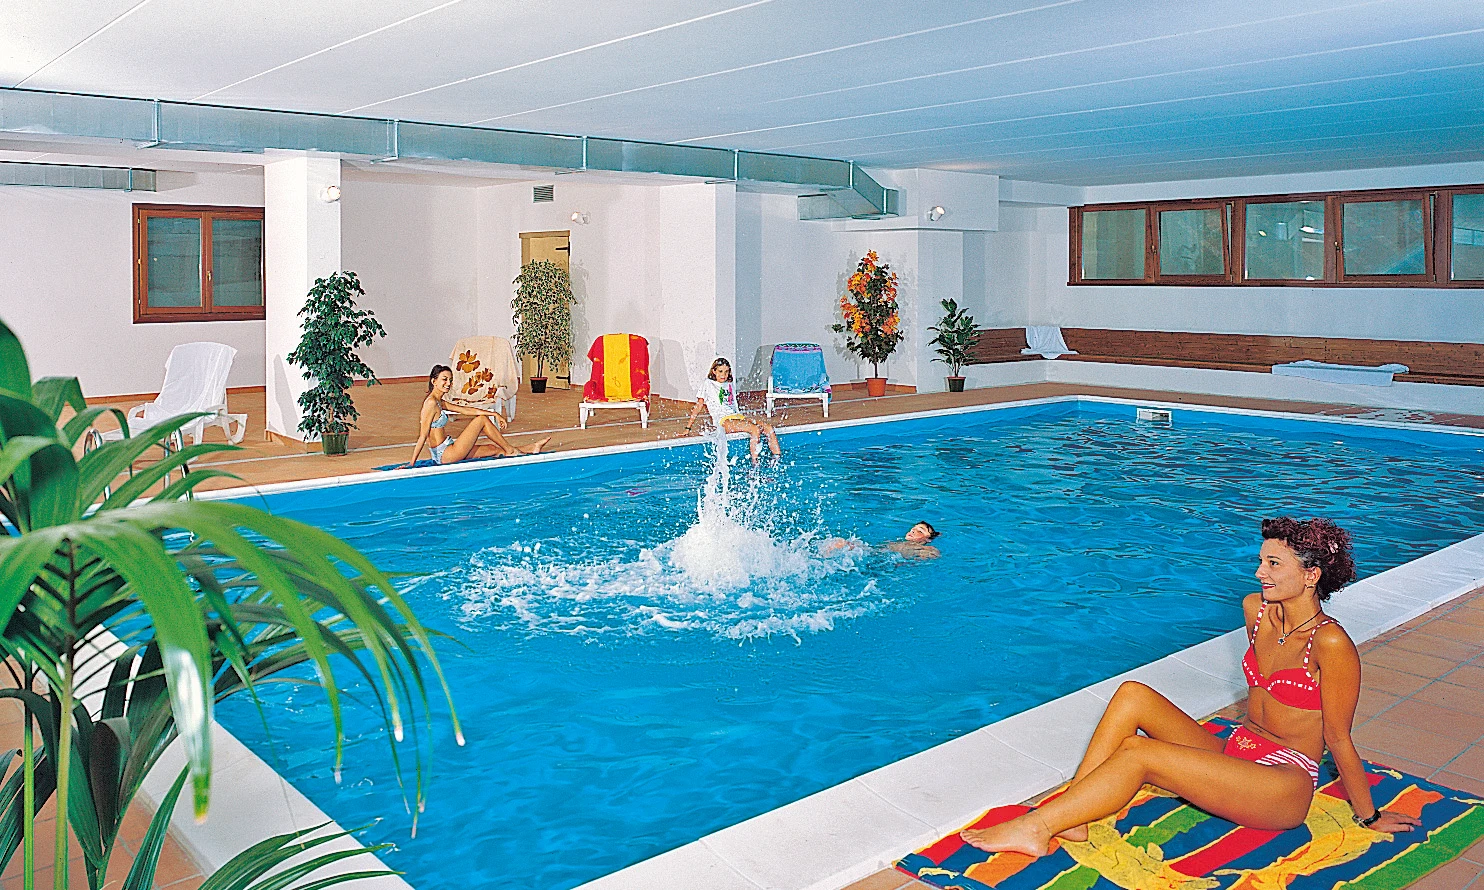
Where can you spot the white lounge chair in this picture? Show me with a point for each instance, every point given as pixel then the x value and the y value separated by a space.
pixel 485 374
pixel 797 372
pixel 195 380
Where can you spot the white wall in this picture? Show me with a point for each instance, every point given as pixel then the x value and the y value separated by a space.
pixel 1034 257
pixel 66 257
pixel 414 249
pixel 654 260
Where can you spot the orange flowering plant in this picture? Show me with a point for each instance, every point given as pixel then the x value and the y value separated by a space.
pixel 872 325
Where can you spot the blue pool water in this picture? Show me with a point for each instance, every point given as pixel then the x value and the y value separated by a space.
pixel 645 662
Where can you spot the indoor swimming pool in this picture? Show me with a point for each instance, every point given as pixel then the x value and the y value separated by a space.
pixel 650 646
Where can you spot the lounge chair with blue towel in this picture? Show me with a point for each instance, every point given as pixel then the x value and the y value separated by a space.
pixel 798 373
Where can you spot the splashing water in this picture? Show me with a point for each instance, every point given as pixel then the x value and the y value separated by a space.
pixel 735 573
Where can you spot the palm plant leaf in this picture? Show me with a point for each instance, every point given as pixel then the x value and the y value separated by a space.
pixel 245 870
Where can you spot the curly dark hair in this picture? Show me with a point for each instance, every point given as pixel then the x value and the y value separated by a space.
pixel 1316 542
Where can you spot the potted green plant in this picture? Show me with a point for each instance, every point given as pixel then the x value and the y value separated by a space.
pixel 214 598
pixel 542 313
pixel 872 325
pixel 956 335
pixel 333 329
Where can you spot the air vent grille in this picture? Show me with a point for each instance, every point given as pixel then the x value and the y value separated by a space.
pixel 543 194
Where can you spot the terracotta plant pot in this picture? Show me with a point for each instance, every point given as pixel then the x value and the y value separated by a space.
pixel 538 384
pixel 875 386
pixel 334 443
pixel 955 384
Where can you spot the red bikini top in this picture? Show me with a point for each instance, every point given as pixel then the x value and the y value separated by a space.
pixel 1295 687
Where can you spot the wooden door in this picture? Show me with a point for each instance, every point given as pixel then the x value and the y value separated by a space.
pixel 557 248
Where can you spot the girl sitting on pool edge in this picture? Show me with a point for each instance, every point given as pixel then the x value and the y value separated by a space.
pixel 1301 700
pixel 446 449
pixel 718 396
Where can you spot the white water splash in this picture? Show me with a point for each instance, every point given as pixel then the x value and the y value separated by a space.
pixel 727 575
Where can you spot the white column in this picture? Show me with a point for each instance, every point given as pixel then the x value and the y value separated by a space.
pixel 301 232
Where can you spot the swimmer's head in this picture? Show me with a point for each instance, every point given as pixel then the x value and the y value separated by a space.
pixel 922 533
pixel 438 371
pixel 717 367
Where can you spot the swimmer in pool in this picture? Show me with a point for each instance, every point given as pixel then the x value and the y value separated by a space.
pixel 916 544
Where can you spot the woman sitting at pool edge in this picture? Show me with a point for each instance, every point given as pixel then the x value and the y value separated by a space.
pixel 719 397
pixel 1301 700
pixel 446 449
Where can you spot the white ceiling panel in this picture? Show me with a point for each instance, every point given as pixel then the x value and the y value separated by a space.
pixel 1074 91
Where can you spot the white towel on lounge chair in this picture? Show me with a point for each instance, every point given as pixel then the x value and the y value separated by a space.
pixel 195 380
pixel 1329 373
pixel 485 374
pixel 1046 340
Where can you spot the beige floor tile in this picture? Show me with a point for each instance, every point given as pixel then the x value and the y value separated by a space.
pixel 1469 763
pixel 1450 695
pixel 1460 631
pixel 1467 616
pixel 1373 702
pixel 1459 782
pixel 1429 666
pixel 1467 675
pixel 1395 682
pixel 1435 718
pixel 1420 770
pixel 1438 647
pixel 1417 745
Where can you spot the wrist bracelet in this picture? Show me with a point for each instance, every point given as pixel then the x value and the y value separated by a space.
pixel 1367 823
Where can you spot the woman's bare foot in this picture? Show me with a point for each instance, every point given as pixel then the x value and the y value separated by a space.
pixel 1076 834
pixel 1026 834
pixel 536 446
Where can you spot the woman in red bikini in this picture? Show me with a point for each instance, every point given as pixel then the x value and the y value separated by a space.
pixel 1301 701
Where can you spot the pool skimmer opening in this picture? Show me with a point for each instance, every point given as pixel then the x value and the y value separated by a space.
pixel 1155 415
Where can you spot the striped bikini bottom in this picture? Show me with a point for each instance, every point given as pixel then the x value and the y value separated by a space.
pixel 1249 745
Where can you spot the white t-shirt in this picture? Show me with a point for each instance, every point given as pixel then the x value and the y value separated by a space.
pixel 720 399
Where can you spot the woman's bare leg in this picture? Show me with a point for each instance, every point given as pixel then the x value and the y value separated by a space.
pixel 464 443
pixel 1266 797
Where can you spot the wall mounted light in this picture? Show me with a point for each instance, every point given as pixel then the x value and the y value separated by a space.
pixel 330 194
pixel 579 217
pixel 936 213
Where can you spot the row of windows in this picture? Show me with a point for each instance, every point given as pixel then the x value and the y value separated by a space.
pixel 1408 238
pixel 197 263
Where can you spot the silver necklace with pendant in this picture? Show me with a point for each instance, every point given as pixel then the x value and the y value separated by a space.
pixel 1283 636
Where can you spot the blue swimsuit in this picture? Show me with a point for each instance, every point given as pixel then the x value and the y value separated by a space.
pixel 440 423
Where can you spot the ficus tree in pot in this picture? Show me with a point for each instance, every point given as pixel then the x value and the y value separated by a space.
pixel 542 313
pixel 333 329
pixel 956 335
pixel 141 609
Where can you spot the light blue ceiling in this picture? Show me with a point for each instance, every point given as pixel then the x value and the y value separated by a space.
pixel 1070 91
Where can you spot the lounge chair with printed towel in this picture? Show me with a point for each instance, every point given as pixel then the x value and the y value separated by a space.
pixel 620 377
pixel 485 374
pixel 195 381
pixel 798 372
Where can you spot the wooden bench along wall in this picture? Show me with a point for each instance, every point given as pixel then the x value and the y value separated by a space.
pixel 1456 363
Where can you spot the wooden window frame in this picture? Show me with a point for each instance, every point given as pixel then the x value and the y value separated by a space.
pixel 1152 242
pixel 1443 237
pixel 1238 268
pixel 1337 203
pixel 146 314
pixel 1437 247
pixel 1076 265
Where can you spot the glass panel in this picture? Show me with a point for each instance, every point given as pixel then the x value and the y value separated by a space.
pixel 1468 237
pixel 236 262
pixel 1285 241
pixel 1113 244
pixel 174 261
pixel 1190 242
pixel 1384 238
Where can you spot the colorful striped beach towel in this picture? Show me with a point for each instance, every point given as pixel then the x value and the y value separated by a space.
pixel 620 369
pixel 1161 843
